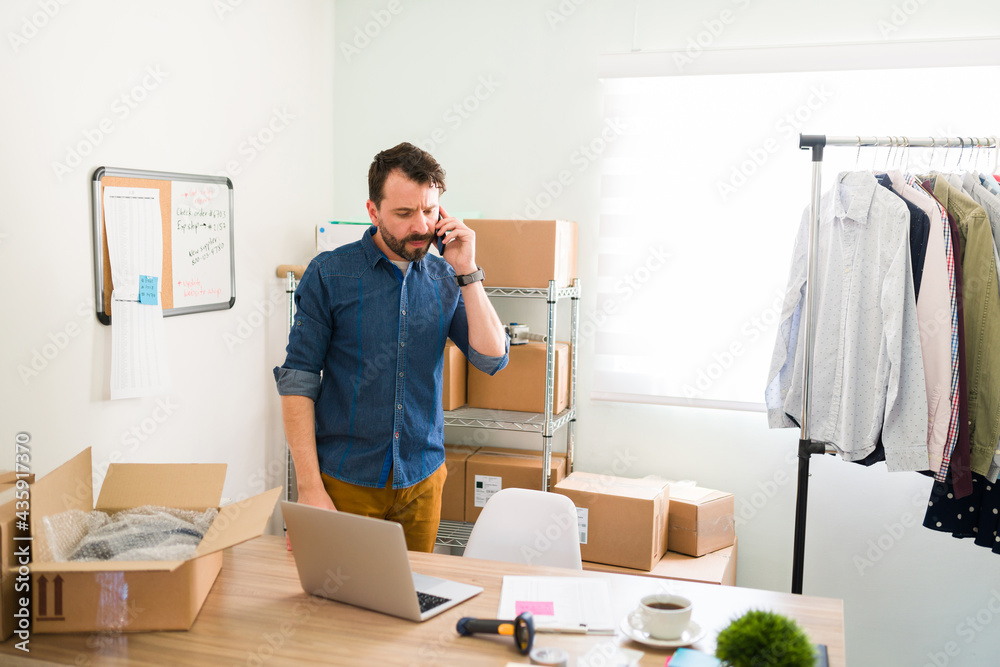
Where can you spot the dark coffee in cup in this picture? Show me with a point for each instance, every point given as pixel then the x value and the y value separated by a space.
pixel 666 606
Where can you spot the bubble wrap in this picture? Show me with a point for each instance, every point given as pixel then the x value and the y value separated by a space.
pixel 140 533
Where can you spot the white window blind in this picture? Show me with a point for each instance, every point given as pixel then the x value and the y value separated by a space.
pixel 700 199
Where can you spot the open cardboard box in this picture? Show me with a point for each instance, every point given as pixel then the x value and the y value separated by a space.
pixel 132 596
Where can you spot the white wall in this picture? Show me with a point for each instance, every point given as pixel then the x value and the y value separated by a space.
pixel 526 84
pixel 223 70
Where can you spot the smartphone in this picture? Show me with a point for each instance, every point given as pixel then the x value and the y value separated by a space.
pixel 439 240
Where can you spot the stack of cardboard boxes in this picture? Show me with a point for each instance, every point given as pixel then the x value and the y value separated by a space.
pixel 692 538
pixel 517 254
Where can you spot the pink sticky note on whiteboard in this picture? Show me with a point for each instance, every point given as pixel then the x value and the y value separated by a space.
pixel 536 608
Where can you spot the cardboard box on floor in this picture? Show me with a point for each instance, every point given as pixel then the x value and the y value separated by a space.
pixel 521 385
pixel 493 468
pixel 622 521
pixel 453 392
pixel 453 495
pixel 701 520
pixel 717 567
pixel 526 253
pixel 140 595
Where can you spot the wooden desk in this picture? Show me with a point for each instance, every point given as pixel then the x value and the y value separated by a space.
pixel 257 614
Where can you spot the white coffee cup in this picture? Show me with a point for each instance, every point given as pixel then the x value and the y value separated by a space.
pixel 662 615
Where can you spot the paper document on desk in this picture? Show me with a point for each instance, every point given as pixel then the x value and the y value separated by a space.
pixel 135 248
pixel 559 604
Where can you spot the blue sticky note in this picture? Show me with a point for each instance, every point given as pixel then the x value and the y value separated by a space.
pixel 689 657
pixel 148 290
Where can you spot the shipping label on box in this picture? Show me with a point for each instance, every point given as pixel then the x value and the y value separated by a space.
pixel 486 487
pixel 583 520
pixel 701 520
pixel 625 520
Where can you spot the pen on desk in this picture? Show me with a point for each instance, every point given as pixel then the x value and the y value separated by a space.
pixel 574 629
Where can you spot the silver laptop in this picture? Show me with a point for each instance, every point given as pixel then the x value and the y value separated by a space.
pixel 363 562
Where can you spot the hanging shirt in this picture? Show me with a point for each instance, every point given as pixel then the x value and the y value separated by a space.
pixel 973 186
pixel 867 374
pixel 919 231
pixel 982 321
pixel 937 317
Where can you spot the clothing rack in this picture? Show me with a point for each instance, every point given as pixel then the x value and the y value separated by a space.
pixel 816 143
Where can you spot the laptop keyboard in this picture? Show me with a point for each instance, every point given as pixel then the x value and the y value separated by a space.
pixel 428 601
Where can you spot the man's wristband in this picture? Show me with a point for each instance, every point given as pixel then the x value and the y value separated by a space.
pixel 470 278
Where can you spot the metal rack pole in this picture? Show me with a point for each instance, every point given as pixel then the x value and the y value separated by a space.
pixel 291 492
pixel 573 341
pixel 550 367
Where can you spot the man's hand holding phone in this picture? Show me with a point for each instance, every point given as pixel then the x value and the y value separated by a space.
pixel 456 243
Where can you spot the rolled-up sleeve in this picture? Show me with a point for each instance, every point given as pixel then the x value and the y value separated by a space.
pixel 308 339
pixel 293 382
pixel 490 365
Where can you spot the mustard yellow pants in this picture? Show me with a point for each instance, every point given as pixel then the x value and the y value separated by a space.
pixel 417 508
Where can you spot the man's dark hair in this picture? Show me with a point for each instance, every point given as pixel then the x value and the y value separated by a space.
pixel 418 165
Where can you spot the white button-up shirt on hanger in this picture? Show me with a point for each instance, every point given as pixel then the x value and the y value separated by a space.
pixel 867 372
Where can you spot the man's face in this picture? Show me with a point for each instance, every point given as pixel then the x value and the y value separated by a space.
pixel 406 217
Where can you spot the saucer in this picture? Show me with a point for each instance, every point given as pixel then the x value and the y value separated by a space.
pixel 691 634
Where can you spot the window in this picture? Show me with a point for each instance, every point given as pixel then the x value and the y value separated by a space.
pixel 704 189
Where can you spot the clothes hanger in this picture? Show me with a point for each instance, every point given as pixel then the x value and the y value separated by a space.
pixel 857 158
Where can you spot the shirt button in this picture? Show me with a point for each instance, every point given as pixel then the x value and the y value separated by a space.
pixel 400 375
pixel 402 344
pixel 399 407
pixel 403 311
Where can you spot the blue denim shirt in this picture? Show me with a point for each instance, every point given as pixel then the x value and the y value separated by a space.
pixel 378 339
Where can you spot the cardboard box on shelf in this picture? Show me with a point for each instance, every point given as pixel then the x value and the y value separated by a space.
pixel 454 377
pixel 716 567
pixel 453 495
pixel 521 385
pixel 622 521
pixel 701 520
pixel 492 468
pixel 140 595
pixel 526 253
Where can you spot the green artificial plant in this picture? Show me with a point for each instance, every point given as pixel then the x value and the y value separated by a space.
pixel 764 638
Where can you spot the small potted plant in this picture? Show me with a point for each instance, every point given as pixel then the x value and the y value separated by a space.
pixel 761 638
